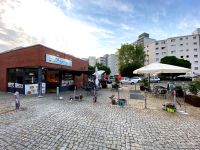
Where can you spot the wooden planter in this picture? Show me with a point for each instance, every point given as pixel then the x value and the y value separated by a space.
pixel 142 88
pixel 192 100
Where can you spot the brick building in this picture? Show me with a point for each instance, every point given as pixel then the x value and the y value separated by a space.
pixel 39 69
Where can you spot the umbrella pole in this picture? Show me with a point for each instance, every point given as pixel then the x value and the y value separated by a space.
pixel 149 86
pixel 174 93
pixel 118 92
pixel 145 99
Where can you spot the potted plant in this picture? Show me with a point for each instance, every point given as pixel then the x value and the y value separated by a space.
pixel 144 84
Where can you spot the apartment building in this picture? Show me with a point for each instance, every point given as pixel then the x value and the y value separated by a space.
pixel 112 60
pixel 143 39
pixel 101 60
pixel 186 47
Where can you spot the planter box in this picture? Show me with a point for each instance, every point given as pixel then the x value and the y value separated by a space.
pixel 192 100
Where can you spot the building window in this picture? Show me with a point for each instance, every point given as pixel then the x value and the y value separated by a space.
pixel 195 43
pixel 181 44
pixel 157 53
pixel 163 42
pixel 181 56
pixel 186 38
pixel 187 50
pixel 162 47
pixel 196 62
pixel 195 50
pixel 181 38
pixel 11 76
pixel 19 75
pixel 196 68
pixel 187 56
pixel 157 48
pixel 157 43
pixel 157 59
pixel 31 76
pixel 194 37
pixel 181 50
pixel 173 45
pixel 174 51
pixel 163 53
pixel 195 56
pixel 172 40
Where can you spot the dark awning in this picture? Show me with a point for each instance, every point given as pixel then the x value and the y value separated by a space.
pixel 88 72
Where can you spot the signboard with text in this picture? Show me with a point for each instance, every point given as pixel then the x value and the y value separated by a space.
pixel 58 60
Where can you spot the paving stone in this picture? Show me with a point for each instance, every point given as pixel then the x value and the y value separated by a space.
pixel 47 123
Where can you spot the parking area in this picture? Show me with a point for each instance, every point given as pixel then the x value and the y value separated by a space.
pixel 49 123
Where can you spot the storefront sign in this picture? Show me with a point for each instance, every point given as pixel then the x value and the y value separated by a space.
pixel 67 82
pixel 17 85
pixel 58 60
pixel 11 85
pixel 33 88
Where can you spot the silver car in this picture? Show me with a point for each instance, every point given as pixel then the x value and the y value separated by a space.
pixel 125 80
pixel 134 80
pixel 155 79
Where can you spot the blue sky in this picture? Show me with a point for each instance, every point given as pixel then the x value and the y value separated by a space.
pixel 93 27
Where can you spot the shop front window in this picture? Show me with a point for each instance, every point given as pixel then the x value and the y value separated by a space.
pixel 67 79
pixel 11 78
pixel 31 76
pixel 19 78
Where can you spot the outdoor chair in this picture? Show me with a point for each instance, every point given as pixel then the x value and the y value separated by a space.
pixel 115 86
pixel 159 91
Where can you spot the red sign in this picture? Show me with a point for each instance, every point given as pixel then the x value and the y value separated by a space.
pixel 119 76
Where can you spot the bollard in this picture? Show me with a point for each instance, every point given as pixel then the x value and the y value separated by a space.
pixel 57 91
pixel 40 90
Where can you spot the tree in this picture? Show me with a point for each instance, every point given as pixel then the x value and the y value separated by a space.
pixel 91 68
pixel 103 67
pixel 172 60
pixel 127 69
pixel 130 57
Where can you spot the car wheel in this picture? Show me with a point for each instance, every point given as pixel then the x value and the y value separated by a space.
pixel 132 83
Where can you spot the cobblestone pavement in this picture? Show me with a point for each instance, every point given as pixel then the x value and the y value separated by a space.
pixel 49 123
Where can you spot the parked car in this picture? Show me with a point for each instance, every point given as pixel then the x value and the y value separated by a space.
pixel 134 80
pixel 155 79
pixel 125 80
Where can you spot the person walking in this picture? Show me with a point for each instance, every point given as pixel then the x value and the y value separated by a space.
pixel 17 101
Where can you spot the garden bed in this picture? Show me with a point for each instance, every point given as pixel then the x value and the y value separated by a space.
pixel 192 100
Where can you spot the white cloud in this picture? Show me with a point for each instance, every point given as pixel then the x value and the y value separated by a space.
pixel 114 5
pixel 188 24
pixel 126 27
pixel 67 4
pixel 43 22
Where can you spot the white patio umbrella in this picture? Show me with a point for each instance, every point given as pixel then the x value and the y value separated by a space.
pixel 155 68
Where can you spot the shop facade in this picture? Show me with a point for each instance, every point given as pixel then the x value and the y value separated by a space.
pixel 38 70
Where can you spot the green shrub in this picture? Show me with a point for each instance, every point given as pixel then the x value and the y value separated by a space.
pixel 194 86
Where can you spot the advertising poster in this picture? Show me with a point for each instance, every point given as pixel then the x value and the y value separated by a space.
pixel 33 88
